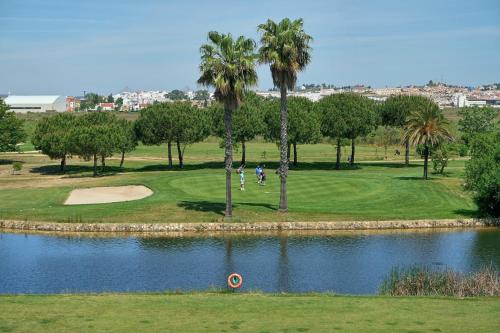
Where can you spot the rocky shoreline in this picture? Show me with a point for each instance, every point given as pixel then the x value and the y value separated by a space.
pixel 242 227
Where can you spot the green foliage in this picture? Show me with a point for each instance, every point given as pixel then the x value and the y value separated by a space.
pixel 177 122
pixel 96 134
pixel 386 136
pixel 427 126
pixel 229 66
pixel 90 102
pixel 52 135
pixel 201 95
pixel 155 124
pixel 440 156
pixel 482 172
pixel 476 120
pixel 17 166
pixel 397 108
pixel 11 129
pixel 118 103
pixel 126 136
pixel 110 99
pixel 347 115
pixel 176 95
pixel 303 121
pixel 248 119
pixel 285 47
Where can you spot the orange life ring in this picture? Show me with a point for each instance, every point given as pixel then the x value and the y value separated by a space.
pixel 234 280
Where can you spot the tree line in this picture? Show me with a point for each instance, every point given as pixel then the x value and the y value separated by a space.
pixel 93 136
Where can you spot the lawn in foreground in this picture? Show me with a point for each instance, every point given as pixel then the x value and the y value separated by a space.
pixel 374 191
pixel 245 313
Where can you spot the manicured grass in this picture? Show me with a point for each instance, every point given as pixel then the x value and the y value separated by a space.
pixel 373 191
pixel 245 313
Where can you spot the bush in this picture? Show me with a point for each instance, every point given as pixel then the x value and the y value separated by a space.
pixel 423 281
pixel 482 173
pixel 16 167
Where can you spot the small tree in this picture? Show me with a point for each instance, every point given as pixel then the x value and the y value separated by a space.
pixel 96 137
pixel 11 129
pixel 386 136
pixel 482 172
pixel 118 104
pixel 440 156
pixel 155 126
pixel 427 126
pixel 127 139
pixel 190 125
pixel 333 121
pixel 52 136
pixel 395 111
pixel 16 167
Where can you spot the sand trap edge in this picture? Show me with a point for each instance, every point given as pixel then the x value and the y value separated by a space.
pixel 107 194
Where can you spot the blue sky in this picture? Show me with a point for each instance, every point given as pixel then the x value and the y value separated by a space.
pixel 67 46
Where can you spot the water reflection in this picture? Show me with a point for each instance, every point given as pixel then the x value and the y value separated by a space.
pixel 352 263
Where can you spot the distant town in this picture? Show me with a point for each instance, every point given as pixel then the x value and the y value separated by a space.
pixel 444 95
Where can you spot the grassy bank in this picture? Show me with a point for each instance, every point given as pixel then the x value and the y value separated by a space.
pixel 245 313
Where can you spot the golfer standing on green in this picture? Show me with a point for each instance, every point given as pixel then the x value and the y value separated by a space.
pixel 242 179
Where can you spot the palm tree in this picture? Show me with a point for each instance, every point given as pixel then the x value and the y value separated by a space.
pixel 285 47
pixel 229 66
pixel 426 126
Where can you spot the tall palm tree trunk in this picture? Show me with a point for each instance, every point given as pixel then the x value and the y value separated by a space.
pixel 295 154
pixel 243 152
pixel 228 158
pixel 179 153
pixel 339 153
pixel 283 171
pixel 426 161
pixel 353 149
pixel 170 164
pixel 407 153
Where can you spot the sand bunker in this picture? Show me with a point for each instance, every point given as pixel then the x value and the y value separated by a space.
pixel 108 194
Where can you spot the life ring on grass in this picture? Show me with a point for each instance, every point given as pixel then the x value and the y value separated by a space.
pixel 234 280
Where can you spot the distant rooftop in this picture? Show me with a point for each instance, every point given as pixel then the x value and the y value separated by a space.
pixel 39 99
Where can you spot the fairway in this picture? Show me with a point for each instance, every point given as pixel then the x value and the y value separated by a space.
pixel 374 190
pixel 245 313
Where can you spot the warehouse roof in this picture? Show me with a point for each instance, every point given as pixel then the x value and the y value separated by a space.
pixel 40 99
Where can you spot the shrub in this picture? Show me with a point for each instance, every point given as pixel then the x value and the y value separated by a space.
pixel 482 173
pixel 16 167
pixel 423 281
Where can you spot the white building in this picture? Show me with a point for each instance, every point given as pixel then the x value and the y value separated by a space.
pixel 25 104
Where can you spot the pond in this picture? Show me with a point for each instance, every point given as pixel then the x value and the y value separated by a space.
pixel 343 262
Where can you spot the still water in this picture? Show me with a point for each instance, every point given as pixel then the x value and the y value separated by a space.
pixel 347 262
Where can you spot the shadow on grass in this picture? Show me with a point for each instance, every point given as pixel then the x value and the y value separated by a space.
pixel 413 178
pixel 7 162
pixel 218 207
pixel 270 167
pixel 470 213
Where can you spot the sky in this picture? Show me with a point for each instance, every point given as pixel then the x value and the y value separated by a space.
pixel 65 47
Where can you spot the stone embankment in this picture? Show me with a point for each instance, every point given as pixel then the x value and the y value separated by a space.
pixel 236 226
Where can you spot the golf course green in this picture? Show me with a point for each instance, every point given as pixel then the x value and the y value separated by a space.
pixel 373 190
